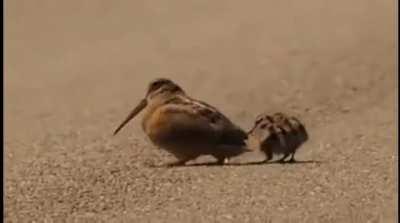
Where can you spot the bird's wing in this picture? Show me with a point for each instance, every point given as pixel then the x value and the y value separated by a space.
pixel 205 120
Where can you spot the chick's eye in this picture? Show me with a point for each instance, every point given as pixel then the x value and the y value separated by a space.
pixel 258 121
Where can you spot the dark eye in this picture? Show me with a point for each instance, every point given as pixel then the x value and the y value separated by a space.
pixel 258 121
pixel 263 126
pixel 156 85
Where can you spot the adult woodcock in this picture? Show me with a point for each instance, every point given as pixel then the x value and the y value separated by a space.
pixel 186 127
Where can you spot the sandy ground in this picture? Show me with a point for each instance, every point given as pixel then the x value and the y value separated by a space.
pixel 74 69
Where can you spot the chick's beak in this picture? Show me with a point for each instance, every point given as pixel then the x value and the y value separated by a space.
pixel 134 112
pixel 251 131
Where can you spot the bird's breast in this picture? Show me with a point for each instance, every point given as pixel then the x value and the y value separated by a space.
pixel 155 125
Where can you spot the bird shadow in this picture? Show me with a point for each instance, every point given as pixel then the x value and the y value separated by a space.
pixel 210 164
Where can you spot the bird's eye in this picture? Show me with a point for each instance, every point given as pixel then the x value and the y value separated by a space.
pixel 258 121
pixel 263 126
pixel 156 85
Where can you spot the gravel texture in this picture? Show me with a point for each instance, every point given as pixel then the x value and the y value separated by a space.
pixel 74 69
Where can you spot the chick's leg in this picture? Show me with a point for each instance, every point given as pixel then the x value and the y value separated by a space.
pixel 282 160
pixel 292 160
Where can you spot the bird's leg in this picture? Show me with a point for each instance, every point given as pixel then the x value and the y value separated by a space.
pixel 292 160
pixel 268 155
pixel 282 160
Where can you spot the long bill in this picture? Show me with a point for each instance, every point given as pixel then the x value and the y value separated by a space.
pixel 131 115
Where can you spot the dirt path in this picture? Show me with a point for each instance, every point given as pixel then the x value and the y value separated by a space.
pixel 73 72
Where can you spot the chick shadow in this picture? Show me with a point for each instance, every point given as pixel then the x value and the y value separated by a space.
pixel 257 163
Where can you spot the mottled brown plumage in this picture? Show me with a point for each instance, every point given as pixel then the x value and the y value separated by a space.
pixel 186 127
pixel 279 134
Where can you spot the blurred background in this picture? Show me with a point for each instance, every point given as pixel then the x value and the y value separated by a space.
pixel 74 69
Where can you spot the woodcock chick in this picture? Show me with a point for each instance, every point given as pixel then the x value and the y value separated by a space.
pixel 186 127
pixel 279 134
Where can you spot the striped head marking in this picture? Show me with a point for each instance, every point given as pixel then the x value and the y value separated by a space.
pixel 162 87
pixel 261 126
